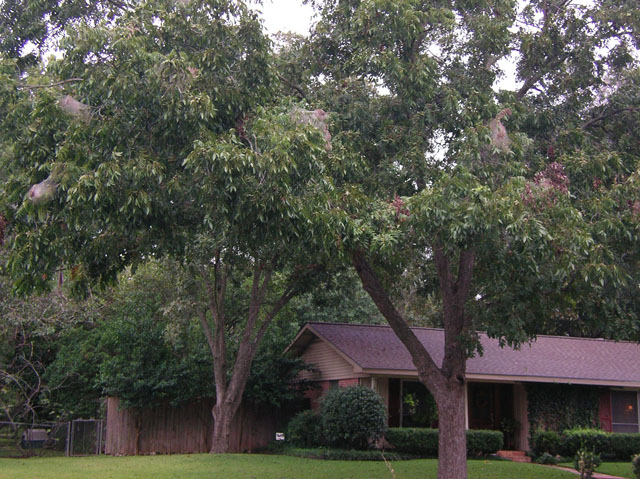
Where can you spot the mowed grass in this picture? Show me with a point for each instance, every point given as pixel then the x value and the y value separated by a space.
pixel 251 466
pixel 619 469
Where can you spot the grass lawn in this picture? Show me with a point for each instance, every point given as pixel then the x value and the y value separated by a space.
pixel 251 466
pixel 620 469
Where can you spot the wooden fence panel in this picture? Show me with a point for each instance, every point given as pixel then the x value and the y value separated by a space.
pixel 182 430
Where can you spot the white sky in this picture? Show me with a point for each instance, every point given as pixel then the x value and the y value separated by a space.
pixel 286 15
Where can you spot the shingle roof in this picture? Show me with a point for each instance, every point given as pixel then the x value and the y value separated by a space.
pixel 560 358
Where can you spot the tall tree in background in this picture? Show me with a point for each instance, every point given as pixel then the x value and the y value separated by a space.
pixel 507 207
pixel 28 29
pixel 162 134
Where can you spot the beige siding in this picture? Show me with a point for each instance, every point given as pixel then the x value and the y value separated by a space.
pixel 381 386
pixel 329 364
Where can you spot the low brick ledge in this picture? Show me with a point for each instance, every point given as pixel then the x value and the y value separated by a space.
pixel 515 456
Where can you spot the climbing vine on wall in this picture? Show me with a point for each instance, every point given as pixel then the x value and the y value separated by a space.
pixel 557 407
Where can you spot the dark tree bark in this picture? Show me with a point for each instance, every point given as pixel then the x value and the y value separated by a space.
pixel 447 381
pixel 229 391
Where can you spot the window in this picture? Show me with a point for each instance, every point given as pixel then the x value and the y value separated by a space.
pixel 418 406
pixel 624 411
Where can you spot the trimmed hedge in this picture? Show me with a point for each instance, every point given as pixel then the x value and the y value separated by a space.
pixel 594 440
pixel 609 445
pixel 414 440
pixel 424 441
pixel 482 442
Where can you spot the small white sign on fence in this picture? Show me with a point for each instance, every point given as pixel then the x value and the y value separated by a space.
pixel 279 436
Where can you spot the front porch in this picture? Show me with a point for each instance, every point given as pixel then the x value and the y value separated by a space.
pixel 500 406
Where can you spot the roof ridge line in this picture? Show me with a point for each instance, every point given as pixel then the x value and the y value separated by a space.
pixel 426 328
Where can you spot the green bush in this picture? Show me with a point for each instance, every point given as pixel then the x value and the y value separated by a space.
pixel 352 417
pixel 546 442
pixel 424 441
pixel 635 463
pixel 589 439
pixel 546 458
pixel 482 442
pixel 608 445
pixel 305 429
pixel 414 440
pixel 622 446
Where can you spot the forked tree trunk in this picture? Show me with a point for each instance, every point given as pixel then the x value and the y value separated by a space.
pixel 445 382
pixel 229 393
pixel 223 415
pixel 452 438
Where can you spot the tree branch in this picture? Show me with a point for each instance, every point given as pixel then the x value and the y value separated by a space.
pixel 217 340
pixel 606 116
pixel 295 87
pixel 50 85
pixel 427 368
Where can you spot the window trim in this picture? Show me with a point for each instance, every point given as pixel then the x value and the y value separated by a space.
pixel 637 423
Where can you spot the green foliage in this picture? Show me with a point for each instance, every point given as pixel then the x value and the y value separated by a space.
pixel 337 297
pixel 77 368
pixel 305 429
pixel 419 441
pixel 139 350
pixel 31 333
pixel 147 347
pixel 166 139
pixel 36 24
pixel 212 158
pixel 586 462
pixel 576 440
pixel 546 442
pixel 482 443
pixel 609 445
pixel 622 446
pixel 418 406
pixel 424 441
pixel 559 407
pixel 547 459
pixel 352 417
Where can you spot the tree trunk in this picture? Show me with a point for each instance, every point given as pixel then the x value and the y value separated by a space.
pixel 223 415
pixel 445 382
pixel 452 438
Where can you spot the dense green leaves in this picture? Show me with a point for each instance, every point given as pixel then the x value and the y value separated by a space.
pixel 352 417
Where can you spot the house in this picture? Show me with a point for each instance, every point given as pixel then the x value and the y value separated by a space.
pixel 497 382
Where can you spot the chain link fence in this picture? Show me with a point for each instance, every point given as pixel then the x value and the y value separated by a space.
pixel 80 437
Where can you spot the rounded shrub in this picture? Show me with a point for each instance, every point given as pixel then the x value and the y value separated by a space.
pixel 305 429
pixel 352 417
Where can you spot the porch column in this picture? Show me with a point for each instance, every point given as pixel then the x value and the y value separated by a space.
pixel 520 414
pixel 466 404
